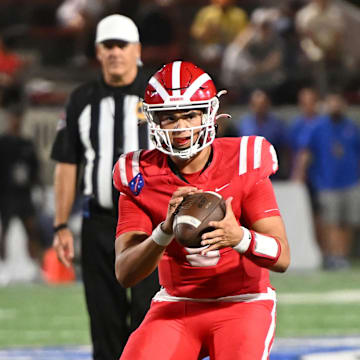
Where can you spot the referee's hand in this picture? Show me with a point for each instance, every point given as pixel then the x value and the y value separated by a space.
pixel 64 246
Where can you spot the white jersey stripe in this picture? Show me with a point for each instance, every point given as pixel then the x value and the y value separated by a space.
pixel 195 85
pixel 243 155
pixel 135 162
pixel 122 170
pixel 257 151
pixel 270 294
pixel 105 151
pixel 159 88
pixel 270 334
pixel 84 130
pixel 176 78
pixel 130 123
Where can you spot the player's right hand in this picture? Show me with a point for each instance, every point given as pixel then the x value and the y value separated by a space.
pixel 176 198
pixel 64 246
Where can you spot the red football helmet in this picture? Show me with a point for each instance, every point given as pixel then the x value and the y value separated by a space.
pixel 181 85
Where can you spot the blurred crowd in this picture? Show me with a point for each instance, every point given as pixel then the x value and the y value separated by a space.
pixel 278 46
pixel 299 52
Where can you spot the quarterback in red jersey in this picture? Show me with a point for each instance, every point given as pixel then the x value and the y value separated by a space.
pixel 215 300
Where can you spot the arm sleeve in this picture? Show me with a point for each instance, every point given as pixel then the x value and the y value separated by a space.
pixel 260 202
pixel 67 145
pixel 132 217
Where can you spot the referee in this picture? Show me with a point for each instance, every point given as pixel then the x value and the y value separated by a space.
pixel 101 123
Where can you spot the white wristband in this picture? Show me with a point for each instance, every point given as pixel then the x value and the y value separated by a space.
pixel 160 237
pixel 244 243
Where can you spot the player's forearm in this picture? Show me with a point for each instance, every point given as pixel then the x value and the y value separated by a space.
pixel 267 244
pixel 275 261
pixel 283 261
pixel 137 261
pixel 65 188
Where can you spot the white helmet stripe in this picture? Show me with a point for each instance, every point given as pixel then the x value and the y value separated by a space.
pixel 196 85
pixel 176 78
pixel 159 88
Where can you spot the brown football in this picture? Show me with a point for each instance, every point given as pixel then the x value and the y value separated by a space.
pixel 193 216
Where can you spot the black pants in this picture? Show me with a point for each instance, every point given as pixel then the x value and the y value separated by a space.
pixel 113 314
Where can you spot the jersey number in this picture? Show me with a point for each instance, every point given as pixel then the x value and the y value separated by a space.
pixel 195 259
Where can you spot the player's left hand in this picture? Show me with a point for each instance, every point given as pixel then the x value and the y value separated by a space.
pixel 227 232
pixel 176 199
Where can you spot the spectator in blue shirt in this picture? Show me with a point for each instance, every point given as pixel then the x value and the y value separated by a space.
pixel 332 148
pixel 308 103
pixel 300 125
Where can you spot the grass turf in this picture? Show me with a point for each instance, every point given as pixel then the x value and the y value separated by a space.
pixel 318 315
pixel 43 315
pixel 40 315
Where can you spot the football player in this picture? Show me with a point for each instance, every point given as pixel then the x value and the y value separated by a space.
pixel 215 300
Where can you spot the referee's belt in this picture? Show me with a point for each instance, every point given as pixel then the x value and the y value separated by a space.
pixel 95 208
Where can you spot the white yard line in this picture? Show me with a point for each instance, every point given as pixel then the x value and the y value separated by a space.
pixel 339 355
pixel 330 297
pixel 317 342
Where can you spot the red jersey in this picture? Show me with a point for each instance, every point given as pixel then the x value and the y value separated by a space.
pixel 240 168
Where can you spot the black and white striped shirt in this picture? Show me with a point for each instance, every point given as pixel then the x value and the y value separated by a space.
pixel 101 123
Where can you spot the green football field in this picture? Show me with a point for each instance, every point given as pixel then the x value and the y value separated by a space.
pixel 310 304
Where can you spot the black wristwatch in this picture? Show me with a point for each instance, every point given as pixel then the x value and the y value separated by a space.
pixel 59 227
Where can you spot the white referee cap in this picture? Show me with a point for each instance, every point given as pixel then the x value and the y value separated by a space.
pixel 116 27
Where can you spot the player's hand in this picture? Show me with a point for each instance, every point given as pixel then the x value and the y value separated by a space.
pixel 176 198
pixel 64 246
pixel 227 232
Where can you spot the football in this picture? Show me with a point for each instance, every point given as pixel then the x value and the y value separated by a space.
pixel 193 216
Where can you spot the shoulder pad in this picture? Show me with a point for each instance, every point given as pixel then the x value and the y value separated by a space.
pixel 126 171
pixel 256 153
